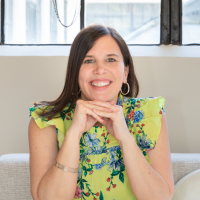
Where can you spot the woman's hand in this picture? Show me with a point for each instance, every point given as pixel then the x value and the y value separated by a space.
pixel 115 124
pixel 84 117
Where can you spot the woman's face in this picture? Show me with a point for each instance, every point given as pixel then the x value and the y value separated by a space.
pixel 103 64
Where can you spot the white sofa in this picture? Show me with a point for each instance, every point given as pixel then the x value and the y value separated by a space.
pixel 15 176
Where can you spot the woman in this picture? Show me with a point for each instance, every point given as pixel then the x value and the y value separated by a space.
pixel 108 143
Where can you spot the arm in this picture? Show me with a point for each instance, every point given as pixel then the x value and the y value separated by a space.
pixel 47 181
pixel 153 181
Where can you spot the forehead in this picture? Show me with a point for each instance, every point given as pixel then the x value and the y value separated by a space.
pixel 105 45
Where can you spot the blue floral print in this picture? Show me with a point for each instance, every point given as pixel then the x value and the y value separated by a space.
pixel 138 116
pixel 98 166
pixel 115 148
pixel 100 151
pixel 90 140
pixel 104 162
pixel 119 102
pixel 126 99
pixel 143 143
pixel 114 162
pixel 119 163
pixel 112 156
pixel 79 172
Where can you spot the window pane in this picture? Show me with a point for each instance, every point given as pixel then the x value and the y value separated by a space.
pixel 35 22
pixel 191 21
pixel 0 21
pixel 138 21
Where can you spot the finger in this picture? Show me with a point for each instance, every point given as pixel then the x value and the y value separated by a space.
pixel 97 117
pixel 101 103
pixel 98 107
pixel 112 102
pixel 106 121
pixel 104 114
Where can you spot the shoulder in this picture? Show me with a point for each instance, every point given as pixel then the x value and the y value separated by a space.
pixel 161 150
pixel 36 111
pixel 144 116
pixel 43 122
pixel 145 104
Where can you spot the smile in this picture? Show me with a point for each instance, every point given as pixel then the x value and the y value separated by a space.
pixel 100 86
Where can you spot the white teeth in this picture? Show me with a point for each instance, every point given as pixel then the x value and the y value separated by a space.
pixel 100 84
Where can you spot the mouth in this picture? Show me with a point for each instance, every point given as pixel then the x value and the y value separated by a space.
pixel 99 86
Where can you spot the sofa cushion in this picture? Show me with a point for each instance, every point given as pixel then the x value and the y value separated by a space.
pixel 188 187
pixel 183 164
pixel 15 174
pixel 15 177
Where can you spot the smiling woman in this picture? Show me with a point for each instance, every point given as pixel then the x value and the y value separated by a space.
pixel 101 78
pixel 106 136
pixel 97 52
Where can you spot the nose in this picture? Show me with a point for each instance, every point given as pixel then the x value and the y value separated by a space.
pixel 99 68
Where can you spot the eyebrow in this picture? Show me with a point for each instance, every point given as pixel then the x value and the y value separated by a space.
pixel 106 55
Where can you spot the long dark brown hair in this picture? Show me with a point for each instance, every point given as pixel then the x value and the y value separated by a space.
pixel 82 43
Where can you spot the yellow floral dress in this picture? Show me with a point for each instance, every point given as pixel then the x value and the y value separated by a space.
pixel 102 173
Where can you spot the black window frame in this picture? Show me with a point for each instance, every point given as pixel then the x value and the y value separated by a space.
pixel 170 25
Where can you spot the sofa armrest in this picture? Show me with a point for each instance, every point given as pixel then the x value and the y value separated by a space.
pixel 183 164
pixel 15 177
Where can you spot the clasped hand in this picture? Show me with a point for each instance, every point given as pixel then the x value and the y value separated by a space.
pixel 114 121
pixel 87 113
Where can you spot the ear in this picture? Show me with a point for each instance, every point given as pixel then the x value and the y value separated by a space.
pixel 126 71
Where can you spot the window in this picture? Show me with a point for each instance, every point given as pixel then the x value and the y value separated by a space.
pixel 0 17
pixel 140 22
pixel 191 21
pixel 35 22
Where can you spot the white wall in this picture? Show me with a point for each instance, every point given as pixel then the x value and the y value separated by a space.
pixel 27 79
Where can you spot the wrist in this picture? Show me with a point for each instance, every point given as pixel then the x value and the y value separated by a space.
pixel 126 140
pixel 73 133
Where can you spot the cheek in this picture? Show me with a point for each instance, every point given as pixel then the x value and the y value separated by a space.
pixel 83 75
pixel 118 73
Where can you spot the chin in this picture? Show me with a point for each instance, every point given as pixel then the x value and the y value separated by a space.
pixel 102 98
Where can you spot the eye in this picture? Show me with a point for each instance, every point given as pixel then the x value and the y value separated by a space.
pixel 89 61
pixel 111 60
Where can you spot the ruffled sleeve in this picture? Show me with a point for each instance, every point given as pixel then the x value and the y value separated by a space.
pixel 43 122
pixel 147 122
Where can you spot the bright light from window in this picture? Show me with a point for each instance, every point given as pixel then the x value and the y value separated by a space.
pixel 138 21
pixel 191 22
pixel 35 22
